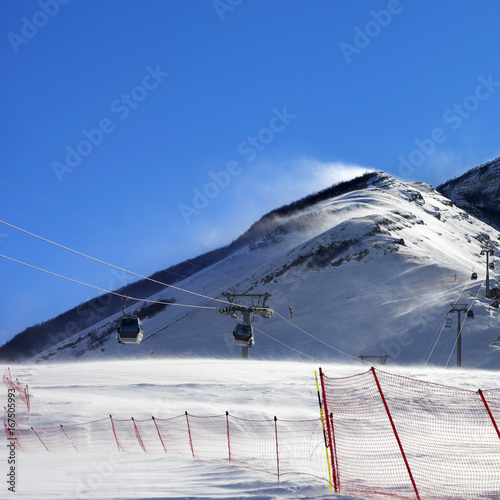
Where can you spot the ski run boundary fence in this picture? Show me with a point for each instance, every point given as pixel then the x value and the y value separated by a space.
pixel 386 436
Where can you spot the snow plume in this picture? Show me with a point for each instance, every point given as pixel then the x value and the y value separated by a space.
pixel 287 181
pixel 266 185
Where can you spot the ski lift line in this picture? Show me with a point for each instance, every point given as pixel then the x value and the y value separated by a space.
pixel 437 340
pixel 285 345
pixel 111 265
pixel 462 324
pixel 72 213
pixel 103 289
pixel 442 328
pixel 102 227
pixel 316 338
pixel 107 249
pixel 62 232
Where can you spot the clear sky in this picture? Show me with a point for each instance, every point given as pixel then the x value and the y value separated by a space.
pixel 147 132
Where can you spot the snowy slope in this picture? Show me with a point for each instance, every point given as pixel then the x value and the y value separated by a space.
pixel 79 392
pixel 371 272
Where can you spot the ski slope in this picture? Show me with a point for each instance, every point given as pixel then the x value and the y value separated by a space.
pixel 68 393
pixel 371 272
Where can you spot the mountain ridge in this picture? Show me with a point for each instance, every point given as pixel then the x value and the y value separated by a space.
pixel 477 191
pixel 372 271
pixel 330 230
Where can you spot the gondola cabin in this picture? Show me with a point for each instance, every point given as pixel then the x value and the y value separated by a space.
pixel 496 343
pixel 470 314
pixel 243 335
pixel 130 330
pixel 473 276
pixel 492 265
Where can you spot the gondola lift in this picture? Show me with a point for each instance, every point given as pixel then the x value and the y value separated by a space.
pixel 448 323
pixel 243 335
pixel 130 329
pixel 470 314
pixel 473 276
pixel 496 343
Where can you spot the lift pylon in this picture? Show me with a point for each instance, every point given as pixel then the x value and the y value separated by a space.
pixel 246 306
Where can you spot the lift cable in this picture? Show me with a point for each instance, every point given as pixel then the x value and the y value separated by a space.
pixel 111 265
pixel 437 340
pixel 316 338
pixel 71 212
pixel 289 347
pixel 86 219
pixel 104 290
pixel 461 326
pixel 443 327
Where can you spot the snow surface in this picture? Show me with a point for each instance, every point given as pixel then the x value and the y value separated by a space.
pixel 68 393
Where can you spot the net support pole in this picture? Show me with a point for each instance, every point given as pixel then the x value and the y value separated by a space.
pixel 228 440
pixel 114 434
pixel 324 431
pixel 329 428
pixel 71 441
pixel 489 412
pixel 159 435
pixel 189 434
pixel 277 449
pixel 395 433
pixel 40 439
pixel 138 436
pixel 336 464
pixel 27 394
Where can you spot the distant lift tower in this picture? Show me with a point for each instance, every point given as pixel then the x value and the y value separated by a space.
pixel 459 308
pixel 246 306
pixel 488 251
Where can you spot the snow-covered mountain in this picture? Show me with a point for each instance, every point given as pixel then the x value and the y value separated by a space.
pixel 369 270
pixel 478 192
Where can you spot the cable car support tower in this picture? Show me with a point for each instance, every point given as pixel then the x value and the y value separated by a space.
pixel 246 306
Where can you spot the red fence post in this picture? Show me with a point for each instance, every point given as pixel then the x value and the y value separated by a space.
pixel 36 434
pixel 335 453
pixel 489 412
pixel 159 435
pixel 27 393
pixel 189 433
pixel 395 433
pixel 64 430
pixel 228 440
pixel 277 450
pixel 114 434
pixel 329 428
pixel 138 436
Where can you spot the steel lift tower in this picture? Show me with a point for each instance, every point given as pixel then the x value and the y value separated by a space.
pixel 246 306
pixel 460 308
pixel 488 251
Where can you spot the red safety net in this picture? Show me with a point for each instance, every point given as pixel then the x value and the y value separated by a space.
pixel 22 391
pixel 406 438
pixel 274 446
pixel 277 447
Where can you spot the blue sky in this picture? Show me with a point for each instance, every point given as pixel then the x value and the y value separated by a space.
pixel 146 133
